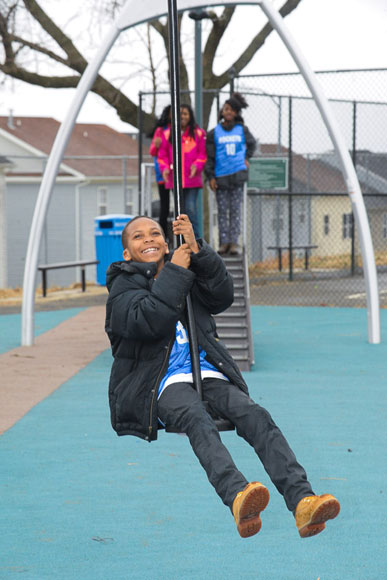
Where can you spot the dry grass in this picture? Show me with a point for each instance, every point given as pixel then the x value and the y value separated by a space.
pixel 10 296
pixel 335 262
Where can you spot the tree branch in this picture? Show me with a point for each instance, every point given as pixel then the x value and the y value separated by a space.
pixel 257 42
pixel 37 48
pixel 219 26
pixel 75 59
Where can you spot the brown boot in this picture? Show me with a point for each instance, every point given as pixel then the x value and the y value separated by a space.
pixel 235 250
pixel 313 511
pixel 223 249
pixel 247 506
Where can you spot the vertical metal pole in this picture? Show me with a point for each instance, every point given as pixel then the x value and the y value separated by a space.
pixel 177 177
pixel 279 136
pixel 140 131
pixel 175 106
pixel 352 224
pixel 198 73
pixel 199 103
pixel 211 214
pixel 278 197
pixel 124 182
pixel 244 231
pixel 290 189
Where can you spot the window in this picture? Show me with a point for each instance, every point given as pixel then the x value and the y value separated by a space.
pixel 129 209
pixel 326 225
pixel 347 226
pixel 102 199
pixel 384 227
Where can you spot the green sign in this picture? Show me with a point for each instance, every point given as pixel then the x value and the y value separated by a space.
pixel 268 173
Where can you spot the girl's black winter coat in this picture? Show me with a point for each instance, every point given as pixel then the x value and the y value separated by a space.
pixel 141 316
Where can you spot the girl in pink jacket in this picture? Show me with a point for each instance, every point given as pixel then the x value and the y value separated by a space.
pixel 193 159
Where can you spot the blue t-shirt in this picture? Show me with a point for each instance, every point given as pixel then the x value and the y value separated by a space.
pixel 159 176
pixel 230 150
pixel 179 368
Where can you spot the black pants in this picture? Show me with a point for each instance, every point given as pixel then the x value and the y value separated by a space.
pixel 180 405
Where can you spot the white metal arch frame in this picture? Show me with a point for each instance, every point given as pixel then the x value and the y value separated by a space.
pixel 133 13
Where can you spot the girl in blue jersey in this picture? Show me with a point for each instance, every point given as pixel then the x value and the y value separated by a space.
pixel 229 146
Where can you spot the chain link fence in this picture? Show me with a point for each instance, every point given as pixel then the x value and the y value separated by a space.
pixel 299 233
pixel 302 242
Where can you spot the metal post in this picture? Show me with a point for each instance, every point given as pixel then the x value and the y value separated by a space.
pixel 279 124
pixel 290 189
pixel 199 103
pixel 198 16
pixel 124 181
pixel 140 131
pixel 352 225
pixel 177 176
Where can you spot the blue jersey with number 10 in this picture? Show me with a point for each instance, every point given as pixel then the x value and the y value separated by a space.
pixel 230 148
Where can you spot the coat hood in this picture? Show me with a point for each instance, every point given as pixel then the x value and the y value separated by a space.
pixel 147 269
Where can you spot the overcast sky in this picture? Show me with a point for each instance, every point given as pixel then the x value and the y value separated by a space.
pixel 333 34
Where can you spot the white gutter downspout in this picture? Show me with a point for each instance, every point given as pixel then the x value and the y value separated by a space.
pixel 78 223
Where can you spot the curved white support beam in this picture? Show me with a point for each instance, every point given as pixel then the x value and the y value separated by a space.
pixel 348 169
pixel 135 12
pixel 48 181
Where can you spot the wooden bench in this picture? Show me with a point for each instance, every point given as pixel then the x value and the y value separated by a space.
pixel 80 263
pixel 305 247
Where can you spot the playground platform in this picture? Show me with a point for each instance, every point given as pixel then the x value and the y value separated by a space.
pixel 79 503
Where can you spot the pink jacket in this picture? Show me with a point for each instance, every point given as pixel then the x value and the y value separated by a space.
pixel 193 152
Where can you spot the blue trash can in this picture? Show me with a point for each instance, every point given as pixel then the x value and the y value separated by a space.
pixel 108 248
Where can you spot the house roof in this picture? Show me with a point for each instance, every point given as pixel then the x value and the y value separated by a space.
pixel 87 139
pixel 313 174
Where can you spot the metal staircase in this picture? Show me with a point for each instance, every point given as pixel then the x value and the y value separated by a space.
pixel 234 324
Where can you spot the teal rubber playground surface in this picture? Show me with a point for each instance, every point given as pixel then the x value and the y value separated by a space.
pixel 77 502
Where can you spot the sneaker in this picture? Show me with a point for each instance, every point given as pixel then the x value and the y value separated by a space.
pixel 313 511
pixel 223 249
pixel 235 250
pixel 247 506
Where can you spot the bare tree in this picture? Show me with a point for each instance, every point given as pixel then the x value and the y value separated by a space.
pixel 32 45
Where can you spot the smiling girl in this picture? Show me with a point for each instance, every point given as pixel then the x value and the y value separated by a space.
pixel 193 159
